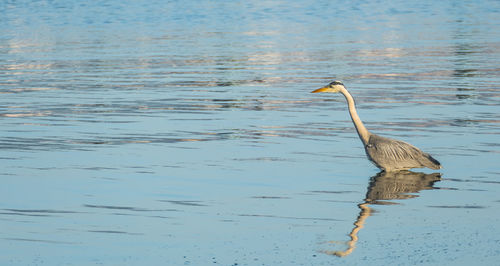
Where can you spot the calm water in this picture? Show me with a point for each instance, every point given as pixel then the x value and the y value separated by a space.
pixel 184 133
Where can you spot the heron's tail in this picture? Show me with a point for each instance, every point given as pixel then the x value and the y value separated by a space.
pixel 433 163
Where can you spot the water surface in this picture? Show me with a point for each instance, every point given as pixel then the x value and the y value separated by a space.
pixel 179 132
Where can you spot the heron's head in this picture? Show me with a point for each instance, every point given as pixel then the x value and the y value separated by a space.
pixel 333 87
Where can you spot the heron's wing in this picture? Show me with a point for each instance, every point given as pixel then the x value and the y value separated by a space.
pixel 398 153
pixel 391 149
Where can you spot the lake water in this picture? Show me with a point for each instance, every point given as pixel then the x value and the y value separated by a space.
pixel 185 133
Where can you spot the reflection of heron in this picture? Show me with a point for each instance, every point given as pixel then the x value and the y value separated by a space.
pixel 387 186
pixel 387 154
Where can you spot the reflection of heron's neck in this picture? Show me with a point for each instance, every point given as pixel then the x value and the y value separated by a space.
pixel 358 225
pixel 363 133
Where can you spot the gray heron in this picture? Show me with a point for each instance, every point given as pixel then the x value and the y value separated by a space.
pixel 387 154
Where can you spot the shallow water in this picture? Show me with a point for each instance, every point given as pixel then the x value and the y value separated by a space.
pixel 184 133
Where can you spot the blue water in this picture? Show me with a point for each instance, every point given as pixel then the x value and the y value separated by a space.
pixel 185 133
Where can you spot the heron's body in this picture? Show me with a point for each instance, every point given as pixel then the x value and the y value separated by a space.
pixel 387 154
pixel 390 154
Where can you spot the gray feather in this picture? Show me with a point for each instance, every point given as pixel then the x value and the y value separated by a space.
pixel 390 154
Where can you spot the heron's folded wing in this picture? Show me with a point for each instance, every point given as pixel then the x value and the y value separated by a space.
pixel 391 149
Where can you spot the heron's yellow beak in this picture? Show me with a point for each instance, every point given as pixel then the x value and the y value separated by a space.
pixel 324 89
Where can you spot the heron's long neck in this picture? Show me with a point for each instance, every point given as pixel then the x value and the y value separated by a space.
pixel 363 133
